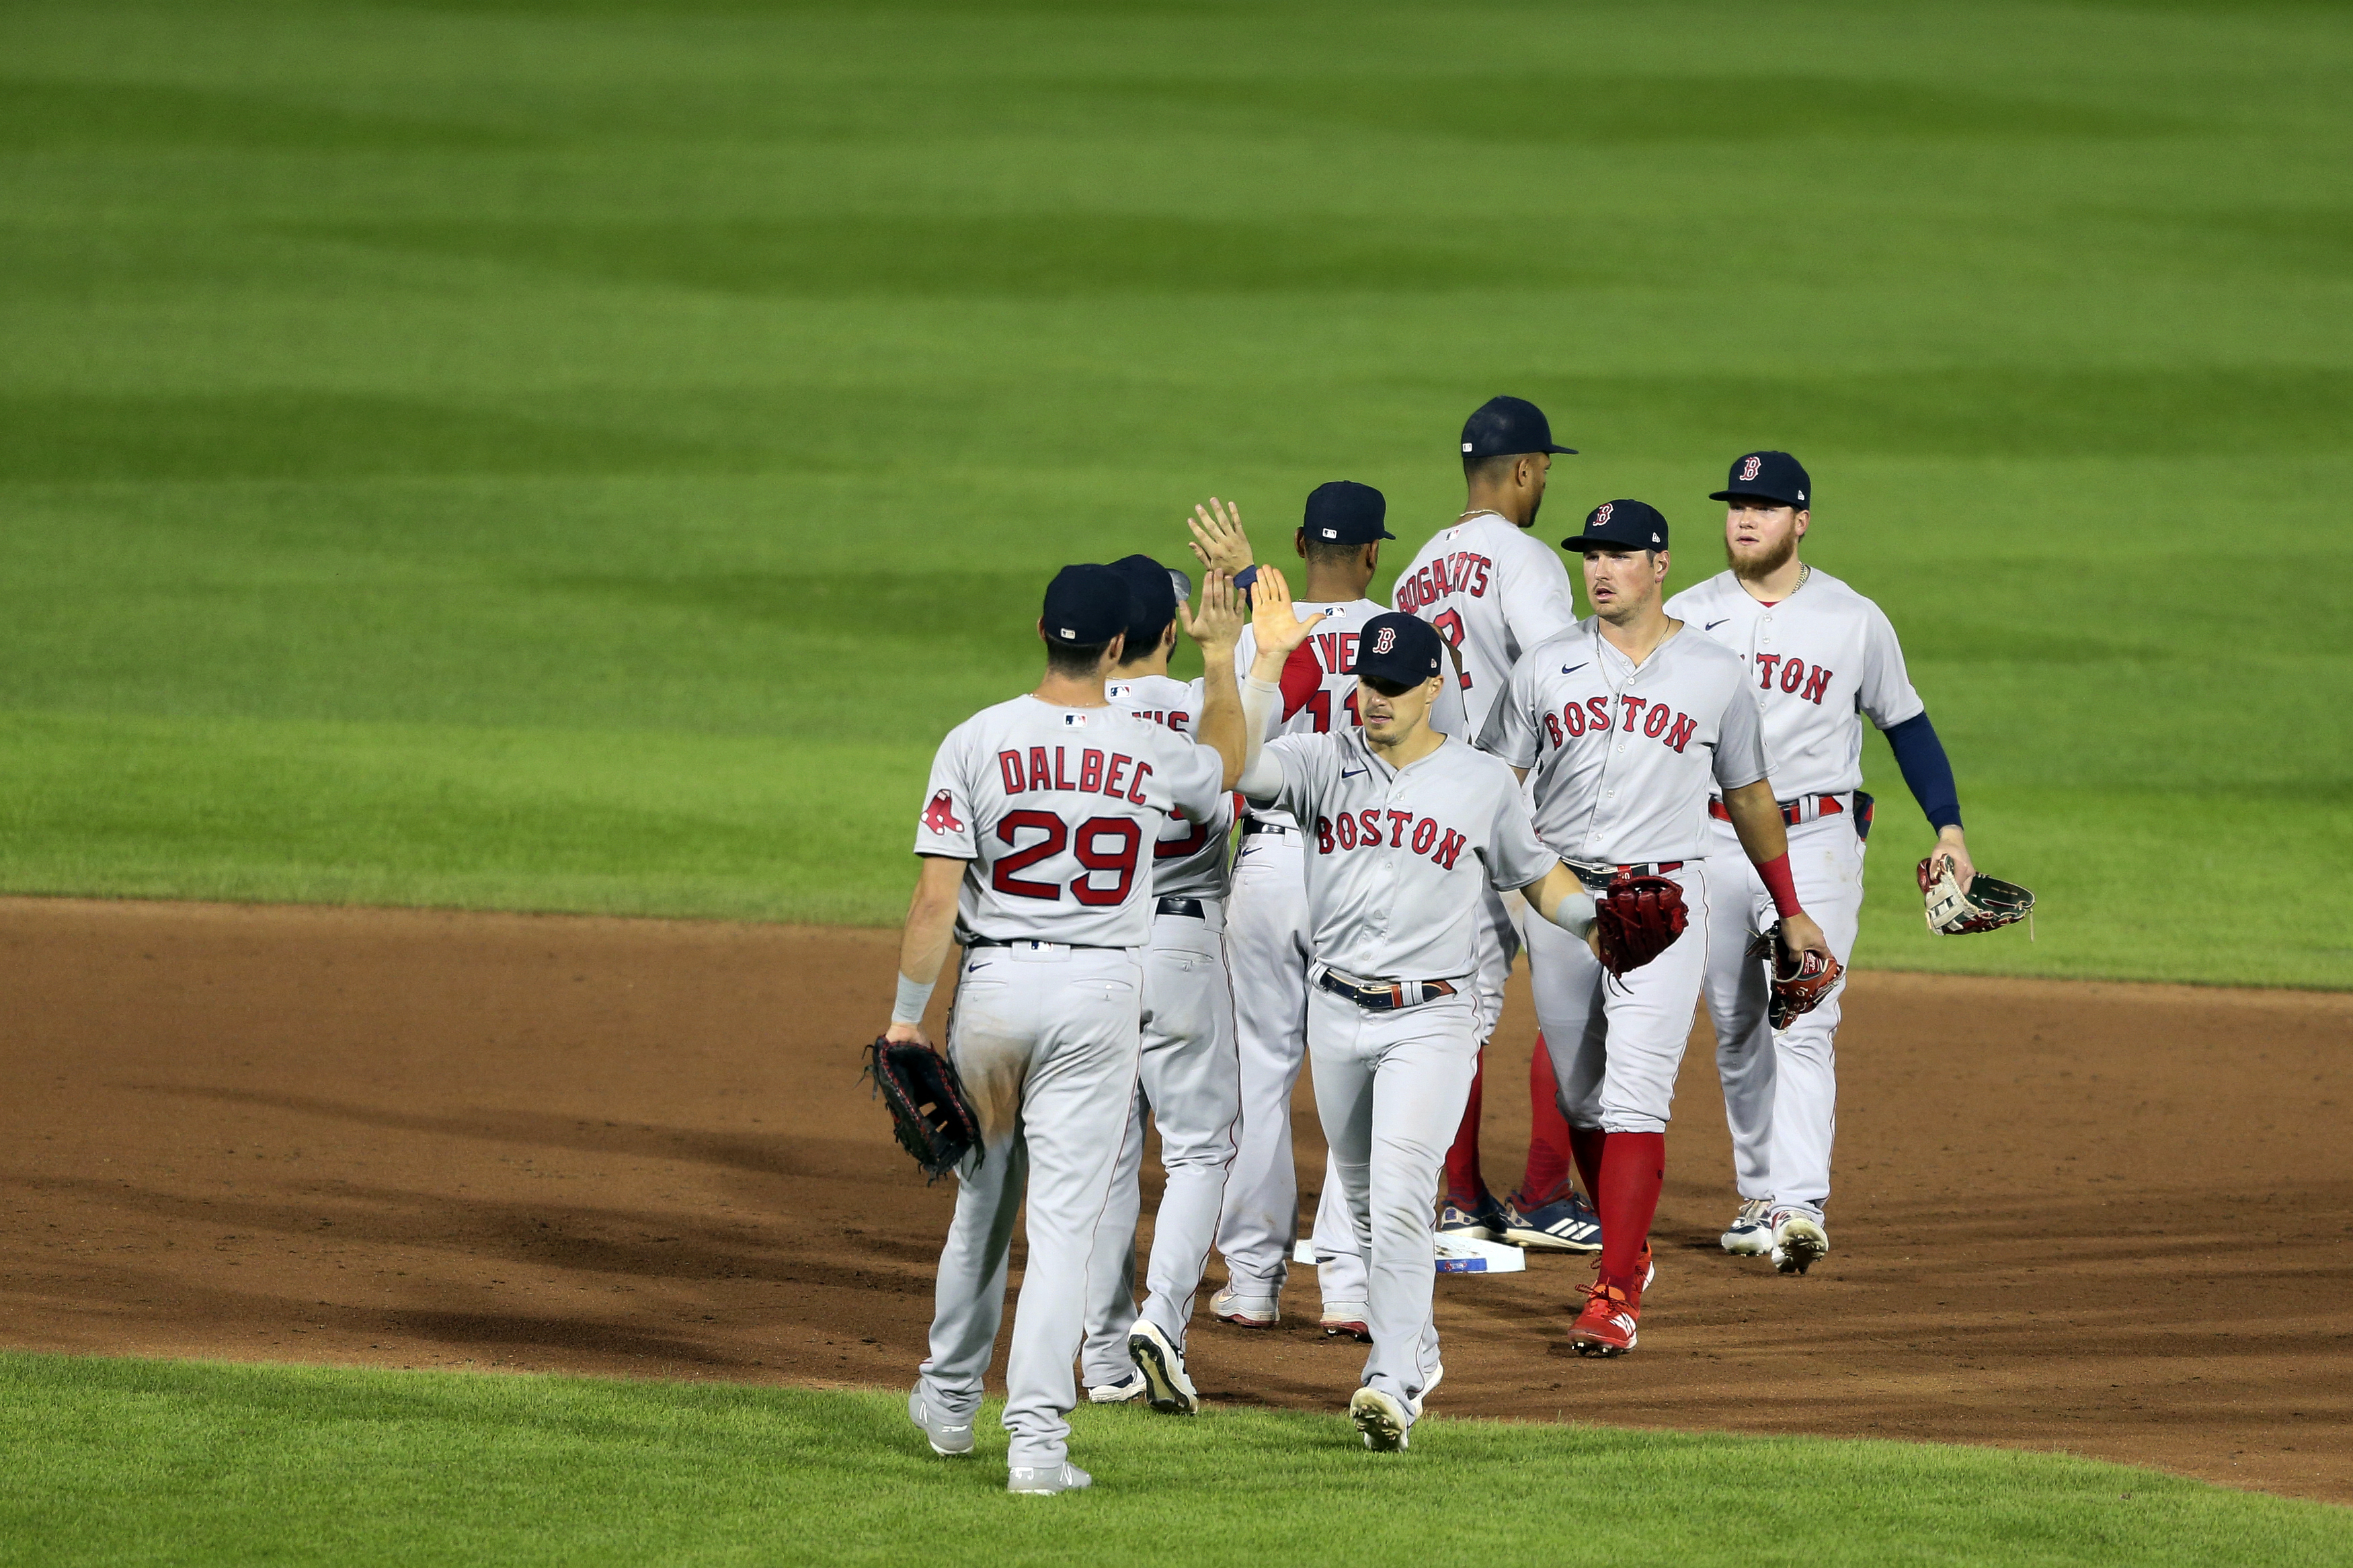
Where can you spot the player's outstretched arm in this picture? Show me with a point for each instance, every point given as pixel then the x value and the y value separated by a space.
pixel 1218 541
pixel 1275 624
pixel 1217 629
pixel 1560 896
pixel 1757 819
pixel 924 945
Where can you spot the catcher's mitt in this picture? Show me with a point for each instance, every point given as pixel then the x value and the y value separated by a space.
pixel 1801 981
pixel 928 1110
pixel 1988 903
pixel 1637 918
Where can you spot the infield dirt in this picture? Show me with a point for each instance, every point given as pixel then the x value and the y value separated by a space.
pixel 2111 1219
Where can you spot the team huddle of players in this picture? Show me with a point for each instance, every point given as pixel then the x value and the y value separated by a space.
pixel 1412 796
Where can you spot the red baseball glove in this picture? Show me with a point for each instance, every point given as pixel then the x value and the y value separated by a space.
pixel 1801 981
pixel 1637 918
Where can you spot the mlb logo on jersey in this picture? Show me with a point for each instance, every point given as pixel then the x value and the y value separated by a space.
pixel 1074 720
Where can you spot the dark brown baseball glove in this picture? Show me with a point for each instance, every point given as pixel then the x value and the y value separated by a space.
pixel 928 1108
pixel 1988 903
pixel 1637 918
pixel 1801 981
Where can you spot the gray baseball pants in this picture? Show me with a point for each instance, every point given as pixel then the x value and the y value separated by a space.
pixel 1045 1038
pixel 1189 1082
pixel 1390 1088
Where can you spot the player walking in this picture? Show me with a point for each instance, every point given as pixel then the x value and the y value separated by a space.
pixel 1406 827
pixel 1492 590
pixel 1035 838
pixel 1268 943
pixel 1626 720
pixel 1821 657
pixel 1190 1077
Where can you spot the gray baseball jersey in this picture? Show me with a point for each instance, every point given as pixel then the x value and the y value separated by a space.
pixel 1057 808
pixel 1188 861
pixel 1814 662
pixel 1397 859
pixel 1624 756
pixel 1492 591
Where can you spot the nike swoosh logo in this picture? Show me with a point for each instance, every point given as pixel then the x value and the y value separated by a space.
pixel 1573 668
pixel 1713 625
pixel 1357 774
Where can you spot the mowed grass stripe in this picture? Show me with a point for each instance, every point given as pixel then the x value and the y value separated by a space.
pixel 126 1461
pixel 584 454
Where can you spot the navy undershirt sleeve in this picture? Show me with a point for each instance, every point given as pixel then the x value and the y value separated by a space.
pixel 1927 771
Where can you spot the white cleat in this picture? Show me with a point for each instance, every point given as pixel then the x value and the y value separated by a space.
pixel 1799 1242
pixel 949 1437
pixel 1046 1480
pixel 1125 1391
pixel 1437 1376
pixel 1161 1365
pixel 1382 1419
pixel 1230 1306
pixel 1751 1232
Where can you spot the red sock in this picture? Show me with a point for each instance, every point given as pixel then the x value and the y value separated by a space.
pixel 1586 1143
pixel 1633 1169
pixel 1465 1185
pixel 1549 1156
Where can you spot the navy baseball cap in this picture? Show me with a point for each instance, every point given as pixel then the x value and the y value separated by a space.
pixel 1621 525
pixel 1153 599
pixel 1507 426
pixel 1086 606
pixel 1401 649
pixel 1769 476
pixel 1345 513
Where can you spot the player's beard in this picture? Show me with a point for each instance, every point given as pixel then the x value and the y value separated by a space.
pixel 1762 563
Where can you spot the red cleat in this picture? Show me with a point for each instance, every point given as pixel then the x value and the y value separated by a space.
pixel 1606 1327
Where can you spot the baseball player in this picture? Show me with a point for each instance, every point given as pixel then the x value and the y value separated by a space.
pixel 1626 720
pixel 1267 931
pixel 1190 1075
pixel 1492 590
pixel 1821 657
pixel 1403 825
pixel 1037 837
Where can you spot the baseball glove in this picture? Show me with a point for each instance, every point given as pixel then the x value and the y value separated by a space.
pixel 928 1110
pixel 1637 918
pixel 1988 903
pixel 1801 981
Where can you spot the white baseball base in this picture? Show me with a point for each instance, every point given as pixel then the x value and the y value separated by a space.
pixel 1455 1254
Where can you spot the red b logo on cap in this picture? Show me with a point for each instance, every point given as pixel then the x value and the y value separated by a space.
pixel 1750 466
pixel 1385 641
pixel 1601 514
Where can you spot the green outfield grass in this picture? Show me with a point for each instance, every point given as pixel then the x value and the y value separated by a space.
pixel 579 454
pixel 147 1462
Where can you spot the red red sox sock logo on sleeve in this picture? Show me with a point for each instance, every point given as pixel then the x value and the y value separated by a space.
pixel 940 815
pixel 1366 830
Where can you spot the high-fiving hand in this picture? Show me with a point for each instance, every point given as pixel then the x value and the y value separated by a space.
pixel 1218 626
pixel 1219 541
pixel 1275 624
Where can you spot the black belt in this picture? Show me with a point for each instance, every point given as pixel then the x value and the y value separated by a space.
pixel 1253 825
pixel 1039 941
pixel 1381 998
pixel 1188 908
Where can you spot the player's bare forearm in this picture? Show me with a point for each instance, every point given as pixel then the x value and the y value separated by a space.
pixel 1562 886
pixel 930 930
pixel 1757 819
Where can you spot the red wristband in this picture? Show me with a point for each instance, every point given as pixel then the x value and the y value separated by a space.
pixel 1774 873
